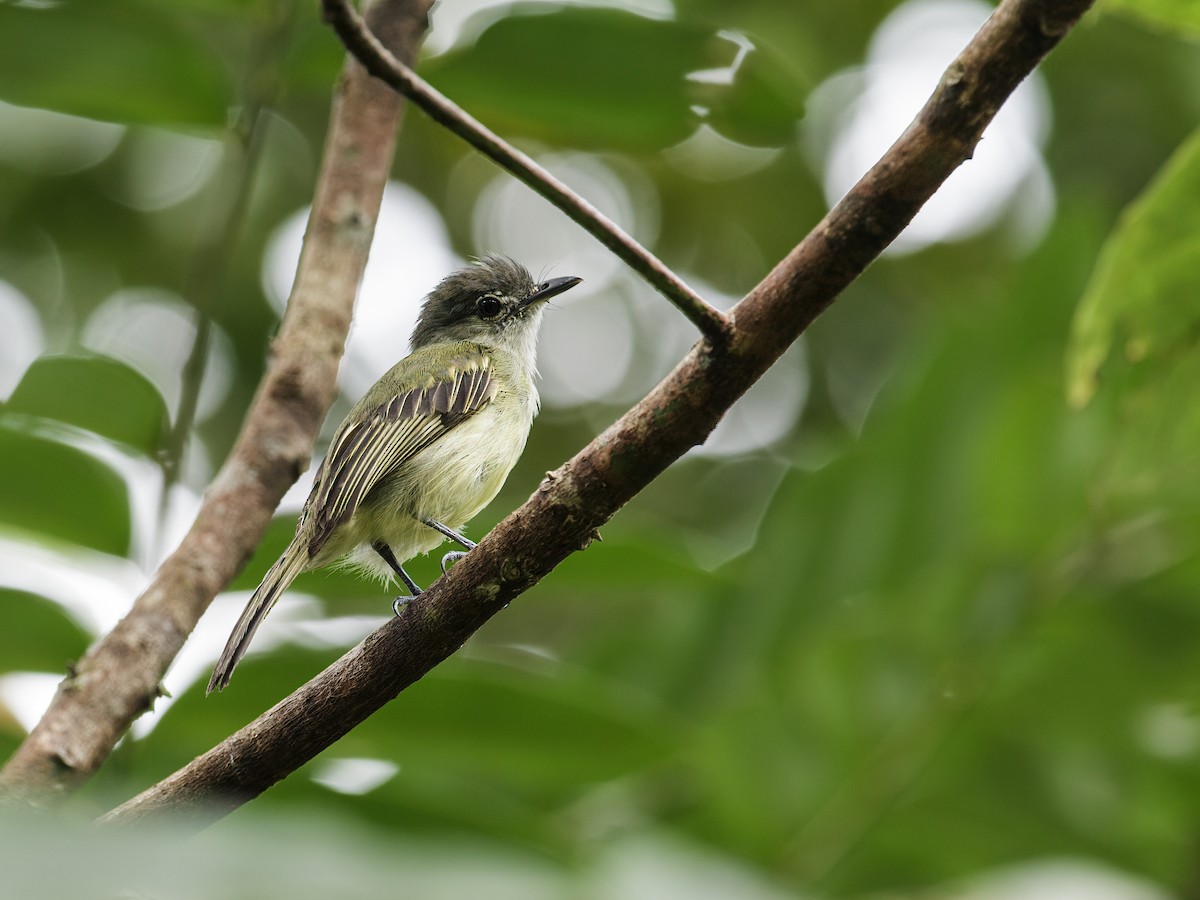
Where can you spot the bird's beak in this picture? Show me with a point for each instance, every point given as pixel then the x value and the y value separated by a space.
pixel 551 288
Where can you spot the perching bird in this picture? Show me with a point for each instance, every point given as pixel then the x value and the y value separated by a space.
pixel 429 445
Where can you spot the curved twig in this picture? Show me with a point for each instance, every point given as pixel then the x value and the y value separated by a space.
pixel 118 679
pixel 383 65
pixel 562 516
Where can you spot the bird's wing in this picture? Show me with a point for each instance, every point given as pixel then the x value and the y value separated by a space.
pixel 391 432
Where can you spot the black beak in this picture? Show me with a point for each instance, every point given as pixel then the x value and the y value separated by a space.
pixel 551 288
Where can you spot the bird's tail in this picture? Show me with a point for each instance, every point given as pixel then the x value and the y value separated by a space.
pixel 286 568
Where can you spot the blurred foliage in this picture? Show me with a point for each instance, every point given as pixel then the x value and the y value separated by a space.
pixel 1136 328
pixel 1146 288
pixel 1176 16
pixel 128 62
pixel 612 87
pixel 35 634
pixel 78 389
pixel 50 487
pixel 624 86
pixel 937 639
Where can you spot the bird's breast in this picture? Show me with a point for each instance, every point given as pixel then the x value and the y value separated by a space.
pixel 462 472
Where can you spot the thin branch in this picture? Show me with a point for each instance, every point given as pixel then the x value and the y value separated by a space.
pixel 563 514
pixel 383 65
pixel 243 154
pixel 221 228
pixel 118 679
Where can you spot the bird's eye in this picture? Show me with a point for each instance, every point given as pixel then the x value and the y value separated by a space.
pixel 488 306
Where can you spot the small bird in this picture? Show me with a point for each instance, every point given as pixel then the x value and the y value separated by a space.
pixel 429 445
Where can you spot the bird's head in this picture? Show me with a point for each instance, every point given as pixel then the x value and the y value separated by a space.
pixel 493 301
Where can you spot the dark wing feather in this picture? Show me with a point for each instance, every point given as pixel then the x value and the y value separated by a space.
pixel 365 451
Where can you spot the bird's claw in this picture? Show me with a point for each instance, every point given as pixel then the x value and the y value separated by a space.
pixel 452 557
pixel 400 602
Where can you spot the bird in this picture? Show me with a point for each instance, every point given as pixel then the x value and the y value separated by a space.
pixel 427 447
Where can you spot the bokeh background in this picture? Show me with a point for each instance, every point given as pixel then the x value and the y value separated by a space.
pixel 920 620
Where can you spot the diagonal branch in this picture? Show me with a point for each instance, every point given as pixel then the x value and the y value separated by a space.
pixel 118 679
pixel 384 66
pixel 562 516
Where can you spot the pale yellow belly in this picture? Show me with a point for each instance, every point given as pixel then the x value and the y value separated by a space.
pixel 451 481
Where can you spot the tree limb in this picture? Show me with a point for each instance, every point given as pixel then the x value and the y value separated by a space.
pixel 568 507
pixel 118 679
pixel 384 66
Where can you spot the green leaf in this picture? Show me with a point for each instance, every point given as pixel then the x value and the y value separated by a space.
pixel 121 61
pixel 763 104
pixel 587 77
pixel 60 491
pixel 1180 17
pixel 96 393
pixel 36 635
pixel 1141 309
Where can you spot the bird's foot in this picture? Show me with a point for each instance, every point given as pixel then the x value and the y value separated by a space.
pixel 452 557
pixel 400 602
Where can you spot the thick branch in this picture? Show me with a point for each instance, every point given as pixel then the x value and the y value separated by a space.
pixel 441 109
pixel 562 516
pixel 118 679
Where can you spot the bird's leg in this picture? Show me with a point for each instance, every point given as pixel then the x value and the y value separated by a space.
pixel 389 557
pixel 454 555
pixel 450 533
